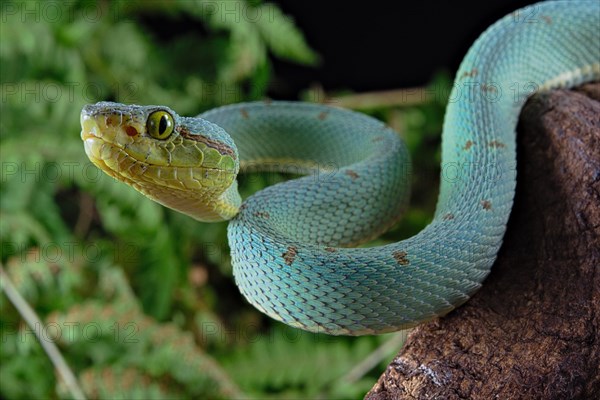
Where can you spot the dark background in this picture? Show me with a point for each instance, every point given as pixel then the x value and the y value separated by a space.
pixel 378 45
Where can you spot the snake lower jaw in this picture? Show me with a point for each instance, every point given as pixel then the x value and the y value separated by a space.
pixel 207 205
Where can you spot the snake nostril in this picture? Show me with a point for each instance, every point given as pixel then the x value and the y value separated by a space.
pixel 131 131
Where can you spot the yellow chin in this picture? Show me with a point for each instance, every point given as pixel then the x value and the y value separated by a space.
pixel 196 191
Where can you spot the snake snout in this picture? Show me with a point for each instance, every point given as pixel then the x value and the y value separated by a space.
pixel 106 120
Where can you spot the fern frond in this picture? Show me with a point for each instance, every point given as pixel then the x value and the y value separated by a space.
pixel 123 383
pixel 285 359
pixel 162 351
pixel 283 37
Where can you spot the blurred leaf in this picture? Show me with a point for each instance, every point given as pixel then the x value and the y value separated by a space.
pixel 282 36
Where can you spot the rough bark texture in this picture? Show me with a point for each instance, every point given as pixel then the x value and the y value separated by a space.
pixel 533 330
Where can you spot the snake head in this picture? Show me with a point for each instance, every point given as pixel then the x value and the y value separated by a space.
pixel 188 164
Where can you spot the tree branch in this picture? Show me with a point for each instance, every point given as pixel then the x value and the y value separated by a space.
pixel 532 331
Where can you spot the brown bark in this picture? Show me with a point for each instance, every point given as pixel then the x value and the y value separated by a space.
pixel 533 330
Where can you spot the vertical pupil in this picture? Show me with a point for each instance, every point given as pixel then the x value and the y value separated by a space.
pixel 162 125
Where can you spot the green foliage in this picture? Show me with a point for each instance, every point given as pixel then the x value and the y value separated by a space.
pixel 139 298
pixel 320 364
pixel 120 352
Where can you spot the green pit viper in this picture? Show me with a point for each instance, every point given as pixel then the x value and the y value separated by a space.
pixel 291 242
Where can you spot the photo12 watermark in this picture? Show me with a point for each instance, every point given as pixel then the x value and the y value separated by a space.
pixel 50 171
pixel 69 332
pixel 32 92
pixel 69 252
pixel 252 333
pixel 237 11
pixel 54 12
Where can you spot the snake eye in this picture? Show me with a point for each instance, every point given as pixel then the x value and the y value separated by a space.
pixel 160 124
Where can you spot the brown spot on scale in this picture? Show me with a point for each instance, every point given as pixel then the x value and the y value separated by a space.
pixel 112 120
pixel 468 145
pixel 262 214
pixel 496 144
pixel 469 74
pixel 400 257
pixel 268 102
pixel 547 19
pixel 290 255
pixel 489 88
pixel 351 174
pixel 377 139
pixel 323 115
pixel 131 131
pixel 330 249
pixel 448 217
pixel 244 113
pixel 486 204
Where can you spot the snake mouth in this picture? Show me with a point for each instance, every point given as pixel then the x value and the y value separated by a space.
pixel 89 127
pixel 118 163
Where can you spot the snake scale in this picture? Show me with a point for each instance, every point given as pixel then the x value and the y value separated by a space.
pixel 291 242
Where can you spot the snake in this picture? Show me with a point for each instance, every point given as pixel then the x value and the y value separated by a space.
pixel 295 245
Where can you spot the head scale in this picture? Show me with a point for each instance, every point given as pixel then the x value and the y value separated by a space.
pixel 187 164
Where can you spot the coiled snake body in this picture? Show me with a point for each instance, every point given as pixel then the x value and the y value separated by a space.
pixel 289 242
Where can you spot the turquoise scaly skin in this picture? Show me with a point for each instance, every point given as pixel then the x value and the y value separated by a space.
pixel 285 241
pixel 289 242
